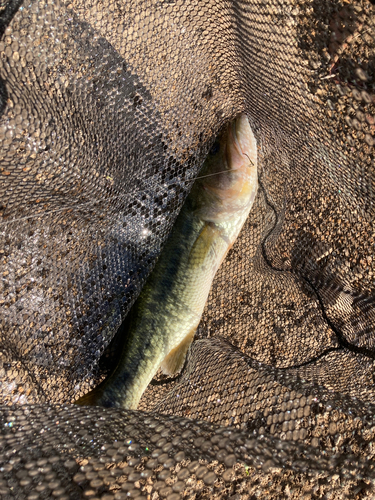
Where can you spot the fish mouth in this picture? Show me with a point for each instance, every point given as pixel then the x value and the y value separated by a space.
pixel 235 133
pixel 240 129
pixel 234 150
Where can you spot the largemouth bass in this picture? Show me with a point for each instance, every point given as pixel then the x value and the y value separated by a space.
pixel 166 314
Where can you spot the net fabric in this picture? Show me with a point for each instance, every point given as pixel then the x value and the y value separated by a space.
pixel 68 452
pixel 108 110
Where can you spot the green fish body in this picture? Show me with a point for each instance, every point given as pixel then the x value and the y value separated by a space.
pixel 163 320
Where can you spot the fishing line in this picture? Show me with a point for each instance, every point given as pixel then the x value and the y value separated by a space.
pixel 111 198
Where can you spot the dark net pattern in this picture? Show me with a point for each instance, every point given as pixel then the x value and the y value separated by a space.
pixel 107 111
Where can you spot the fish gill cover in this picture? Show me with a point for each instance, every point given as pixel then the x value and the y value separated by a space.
pixel 108 110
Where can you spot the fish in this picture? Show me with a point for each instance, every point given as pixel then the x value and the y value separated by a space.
pixel 164 318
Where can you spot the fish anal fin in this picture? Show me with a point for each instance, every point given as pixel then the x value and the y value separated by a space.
pixel 175 359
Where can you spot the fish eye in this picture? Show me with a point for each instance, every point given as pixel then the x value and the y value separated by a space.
pixel 215 148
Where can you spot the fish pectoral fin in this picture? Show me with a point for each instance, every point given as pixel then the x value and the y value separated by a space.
pixel 203 244
pixel 175 359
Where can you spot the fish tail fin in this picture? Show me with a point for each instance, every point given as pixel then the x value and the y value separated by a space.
pixel 92 398
pixel 175 359
pixel 88 399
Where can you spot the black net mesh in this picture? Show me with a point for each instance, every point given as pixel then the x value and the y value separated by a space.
pixel 108 109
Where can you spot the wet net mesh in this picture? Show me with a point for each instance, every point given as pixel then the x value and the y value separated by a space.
pixel 108 109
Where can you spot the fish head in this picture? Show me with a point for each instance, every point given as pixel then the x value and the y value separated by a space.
pixel 228 179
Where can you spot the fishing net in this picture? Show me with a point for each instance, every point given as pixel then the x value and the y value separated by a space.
pixel 108 110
